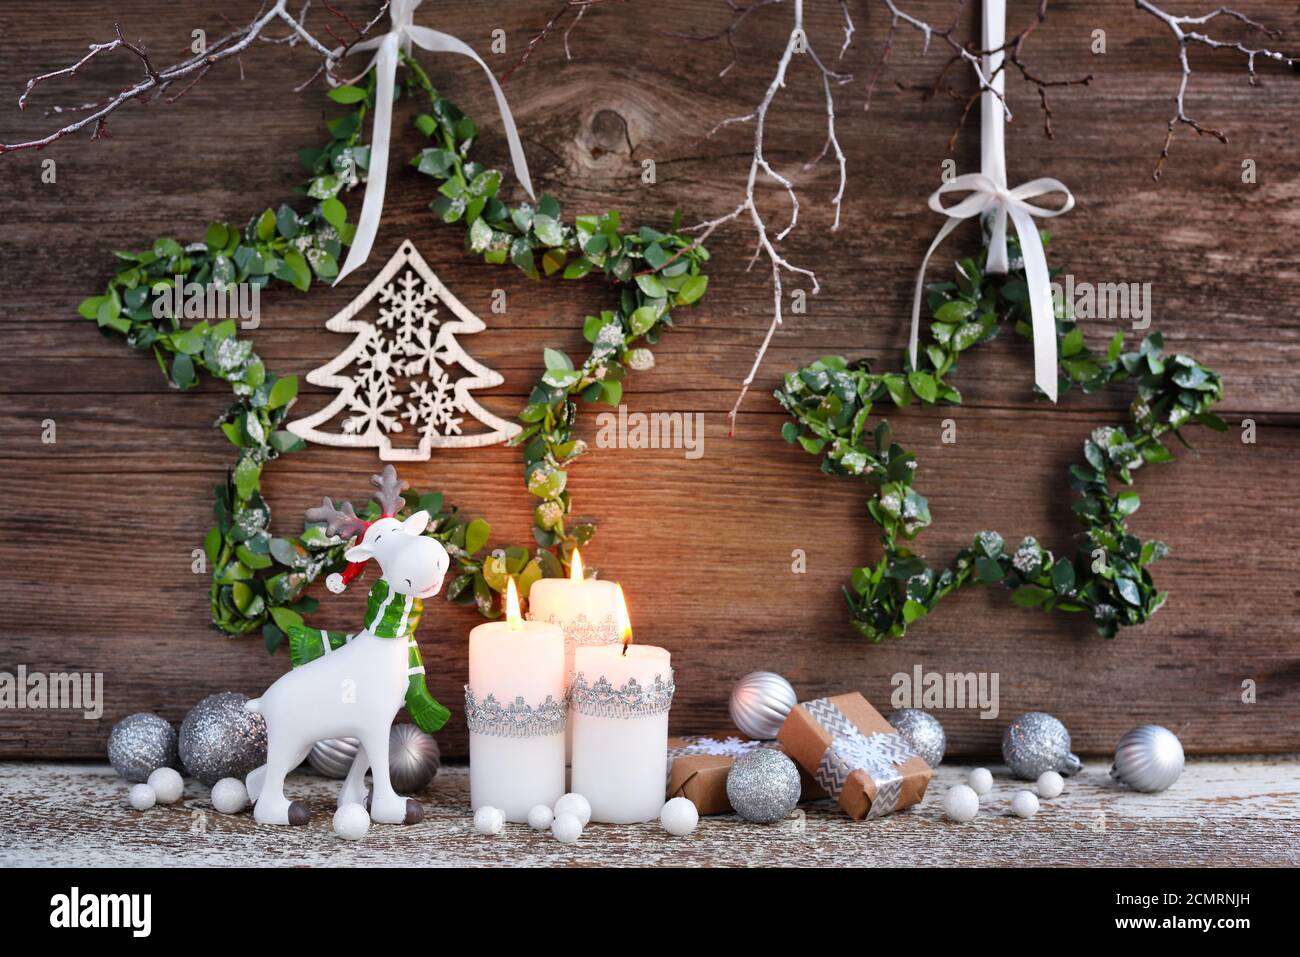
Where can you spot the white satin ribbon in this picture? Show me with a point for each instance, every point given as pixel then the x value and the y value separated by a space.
pixel 988 192
pixel 403 34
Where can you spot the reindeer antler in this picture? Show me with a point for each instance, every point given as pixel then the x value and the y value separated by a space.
pixel 343 522
pixel 390 489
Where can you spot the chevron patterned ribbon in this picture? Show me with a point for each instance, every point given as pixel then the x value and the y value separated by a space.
pixel 879 755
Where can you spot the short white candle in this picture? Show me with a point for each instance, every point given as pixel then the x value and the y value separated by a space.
pixel 514 705
pixel 586 608
pixel 620 730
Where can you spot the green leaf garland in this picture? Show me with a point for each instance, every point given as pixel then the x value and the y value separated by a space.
pixel 259 581
pixel 831 400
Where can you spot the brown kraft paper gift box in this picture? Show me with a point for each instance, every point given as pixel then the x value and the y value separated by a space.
pixel 855 755
pixel 703 777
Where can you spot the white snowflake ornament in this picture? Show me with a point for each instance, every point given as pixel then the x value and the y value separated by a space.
pixel 395 374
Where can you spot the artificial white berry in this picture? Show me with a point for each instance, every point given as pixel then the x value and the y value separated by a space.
pixel 335 583
pixel 1050 784
pixel 167 784
pixel 1025 803
pixel 142 797
pixel 229 796
pixel 566 828
pixel 981 780
pixel 351 822
pixel 679 817
pixel 960 803
pixel 540 817
pixel 575 804
pixel 489 820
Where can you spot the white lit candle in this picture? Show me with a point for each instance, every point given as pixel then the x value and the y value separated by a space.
pixel 514 704
pixel 620 698
pixel 587 610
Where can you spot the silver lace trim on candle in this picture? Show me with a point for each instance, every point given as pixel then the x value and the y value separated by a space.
pixel 515 720
pixel 603 700
pixel 583 631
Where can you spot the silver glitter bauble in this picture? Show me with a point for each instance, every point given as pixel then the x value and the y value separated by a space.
pixel 923 732
pixel 413 758
pixel 760 703
pixel 140 744
pixel 219 739
pixel 1037 742
pixel 763 786
pixel 333 757
pixel 1148 758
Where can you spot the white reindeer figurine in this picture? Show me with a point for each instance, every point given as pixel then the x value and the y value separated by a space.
pixel 353 685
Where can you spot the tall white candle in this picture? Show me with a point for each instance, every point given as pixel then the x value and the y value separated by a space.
pixel 620 699
pixel 514 704
pixel 587 610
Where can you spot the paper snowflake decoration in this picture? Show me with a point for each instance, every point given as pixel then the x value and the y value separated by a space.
pixel 396 374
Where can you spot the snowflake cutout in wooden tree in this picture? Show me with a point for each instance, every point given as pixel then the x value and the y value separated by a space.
pixel 400 365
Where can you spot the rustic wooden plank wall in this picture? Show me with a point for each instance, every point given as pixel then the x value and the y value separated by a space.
pixel 99 527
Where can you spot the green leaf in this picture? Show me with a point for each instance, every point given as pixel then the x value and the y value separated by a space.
pixel 923 385
pixel 476 535
pixel 652 286
pixel 335 213
pixel 347 94
pixel 555 359
pixel 283 392
pixel 692 289
pixel 1030 596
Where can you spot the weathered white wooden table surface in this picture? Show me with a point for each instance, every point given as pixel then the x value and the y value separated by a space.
pixel 1228 811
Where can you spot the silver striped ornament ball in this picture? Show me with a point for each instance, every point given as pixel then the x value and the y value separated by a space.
pixel 413 757
pixel 1037 742
pixel 760 703
pixel 923 732
pixel 1149 758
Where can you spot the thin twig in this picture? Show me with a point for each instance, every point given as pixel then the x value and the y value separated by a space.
pixel 1179 27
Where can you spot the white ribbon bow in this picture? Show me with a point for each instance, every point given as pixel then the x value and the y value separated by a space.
pixel 400 38
pixel 989 192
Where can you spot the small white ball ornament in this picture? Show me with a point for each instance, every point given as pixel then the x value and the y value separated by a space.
pixel 960 803
pixel 489 821
pixel 167 784
pixel 981 780
pixel 351 822
pixel 566 828
pixel 141 797
pixel 679 817
pixel 575 804
pixel 229 796
pixel 1050 784
pixel 540 817
pixel 1024 804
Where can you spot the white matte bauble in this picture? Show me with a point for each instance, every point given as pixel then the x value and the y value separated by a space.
pixel 540 817
pixel 167 784
pixel 574 804
pixel 1050 784
pixel 960 803
pixel 1149 758
pixel 760 703
pixel 351 822
pixel 566 828
pixel 980 780
pixel 489 821
pixel 229 796
pixel 1024 804
pixel 141 797
pixel 679 817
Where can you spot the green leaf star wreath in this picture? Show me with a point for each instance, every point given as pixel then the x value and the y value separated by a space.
pixel 258 580
pixel 831 402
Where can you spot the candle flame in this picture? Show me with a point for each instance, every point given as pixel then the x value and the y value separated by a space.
pixel 624 622
pixel 513 618
pixel 575 570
